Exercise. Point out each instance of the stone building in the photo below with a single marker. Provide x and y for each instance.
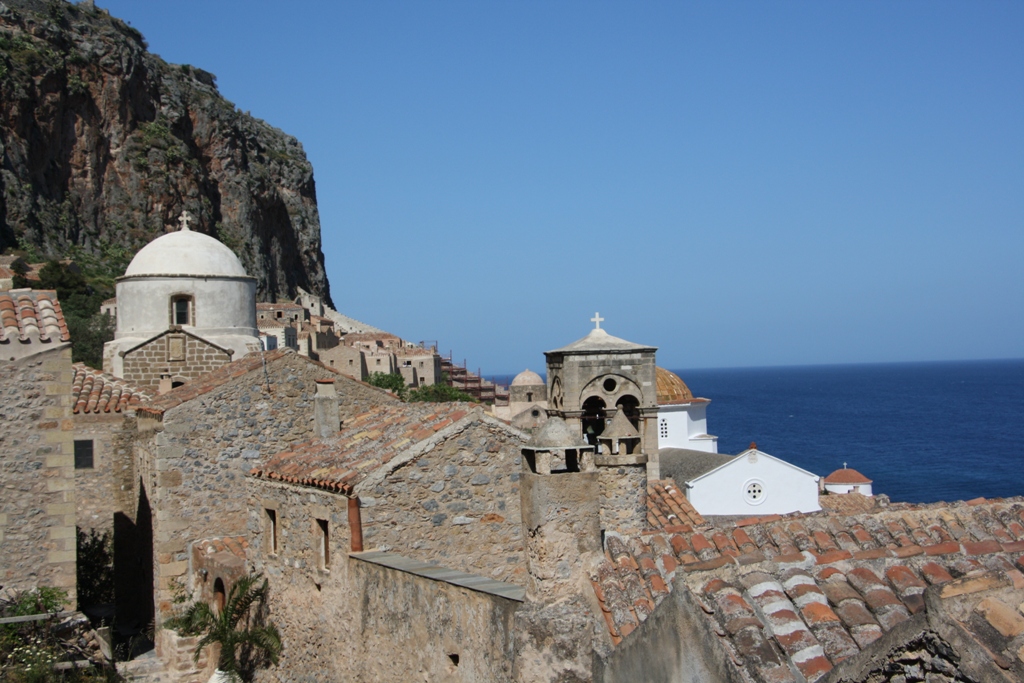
(185, 306)
(100, 404)
(37, 458)
(192, 448)
(348, 360)
(527, 402)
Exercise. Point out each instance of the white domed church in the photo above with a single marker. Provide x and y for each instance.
(185, 306)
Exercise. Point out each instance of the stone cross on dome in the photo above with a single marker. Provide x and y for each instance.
(597, 320)
(184, 219)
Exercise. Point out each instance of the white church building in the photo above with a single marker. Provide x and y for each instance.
(682, 417)
(185, 306)
(751, 483)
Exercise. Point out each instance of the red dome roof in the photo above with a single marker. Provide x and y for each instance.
(846, 476)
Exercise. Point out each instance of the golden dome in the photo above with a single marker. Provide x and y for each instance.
(671, 389)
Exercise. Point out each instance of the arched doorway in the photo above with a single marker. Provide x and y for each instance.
(593, 419)
(631, 407)
(220, 597)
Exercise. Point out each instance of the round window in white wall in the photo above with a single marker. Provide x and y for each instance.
(754, 491)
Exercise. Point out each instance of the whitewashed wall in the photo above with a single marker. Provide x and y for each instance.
(686, 427)
(783, 487)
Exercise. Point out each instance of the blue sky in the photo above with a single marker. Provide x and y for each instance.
(736, 183)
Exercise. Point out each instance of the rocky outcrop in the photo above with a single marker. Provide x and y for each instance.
(104, 144)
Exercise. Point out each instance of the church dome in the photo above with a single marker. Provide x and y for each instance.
(186, 252)
(527, 378)
(671, 389)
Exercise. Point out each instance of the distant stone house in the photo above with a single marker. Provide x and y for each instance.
(348, 360)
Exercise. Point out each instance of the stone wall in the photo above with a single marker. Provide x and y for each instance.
(623, 498)
(144, 365)
(37, 475)
(357, 621)
(96, 502)
(429, 630)
(202, 449)
(456, 505)
(310, 606)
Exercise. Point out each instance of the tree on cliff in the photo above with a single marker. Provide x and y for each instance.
(439, 393)
(80, 302)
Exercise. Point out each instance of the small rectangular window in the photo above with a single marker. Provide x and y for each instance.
(83, 455)
(271, 531)
(324, 538)
(181, 311)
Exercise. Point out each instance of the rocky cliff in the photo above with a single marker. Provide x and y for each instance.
(104, 145)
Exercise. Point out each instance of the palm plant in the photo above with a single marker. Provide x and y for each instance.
(241, 636)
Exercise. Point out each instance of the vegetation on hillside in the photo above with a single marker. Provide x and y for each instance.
(434, 393)
(392, 381)
(437, 393)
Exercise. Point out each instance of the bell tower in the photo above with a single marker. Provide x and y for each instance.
(605, 388)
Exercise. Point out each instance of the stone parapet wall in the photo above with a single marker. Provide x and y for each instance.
(366, 622)
(37, 475)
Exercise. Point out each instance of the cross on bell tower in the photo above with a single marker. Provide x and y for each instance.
(597, 320)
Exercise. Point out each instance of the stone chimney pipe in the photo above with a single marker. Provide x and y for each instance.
(325, 408)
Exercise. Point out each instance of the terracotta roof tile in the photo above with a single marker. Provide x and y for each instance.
(668, 507)
(367, 442)
(94, 392)
(28, 314)
(814, 589)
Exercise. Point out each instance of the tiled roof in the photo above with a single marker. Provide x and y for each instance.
(846, 476)
(668, 508)
(366, 443)
(220, 376)
(32, 313)
(803, 592)
(94, 392)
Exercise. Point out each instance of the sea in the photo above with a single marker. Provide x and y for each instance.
(923, 432)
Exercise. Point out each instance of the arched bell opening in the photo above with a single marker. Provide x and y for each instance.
(593, 419)
(630, 405)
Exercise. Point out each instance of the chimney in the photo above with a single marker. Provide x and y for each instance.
(325, 408)
(560, 502)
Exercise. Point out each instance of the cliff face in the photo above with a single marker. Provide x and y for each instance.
(104, 144)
